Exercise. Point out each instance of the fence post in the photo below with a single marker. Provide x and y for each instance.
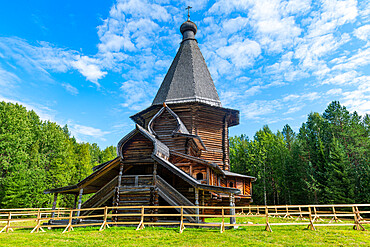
(358, 214)
(141, 224)
(182, 227)
(232, 209)
(38, 220)
(311, 226)
(80, 201)
(223, 220)
(249, 210)
(268, 228)
(69, 226)
(7, 226)
(357, 225)
(105, 219)
(197, 204)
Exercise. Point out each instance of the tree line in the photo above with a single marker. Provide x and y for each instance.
(327, 161)
(36, 155)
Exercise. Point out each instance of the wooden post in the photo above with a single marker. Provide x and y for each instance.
(335, 218)
(105, 219)
(268, 228)
(287, 215)
(75, 203)
(182, 227)
(197, 203)
(54, 205)
(317, 217)
(300, 214)
(80, 201)
(358, 214)
(7, 227)
(154, 193)
(208, 182)
(141, 224)
(69, 226)
(155, 174)
(357, 225)
(249, 210)
(38, 224)
(203, 219)
(119, 183)
(232, 210)
(223, 220)
(311, 226)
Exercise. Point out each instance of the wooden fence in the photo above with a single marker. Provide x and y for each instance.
(355, 215)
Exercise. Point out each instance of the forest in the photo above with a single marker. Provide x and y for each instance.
(327, 161)
(36, 155)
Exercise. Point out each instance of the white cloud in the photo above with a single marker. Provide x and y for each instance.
(342, 79)
(234, 25)
(241, 53)
(39, 59)
(363, 32)
(260, 108)
(334, 91)
(359, 99)
(330, 15)
(71, 89)
(252, 91)
(89, 67)
(195, 4)
(302, 97)
(361, 58)
(8, 79)
(294, 109)
(44, 112)
(77, 130)
(136, 94)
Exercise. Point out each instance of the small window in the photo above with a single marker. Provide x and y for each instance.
(231, 184)
(199, 176)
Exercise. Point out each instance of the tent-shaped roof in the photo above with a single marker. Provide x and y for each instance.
(188, 79)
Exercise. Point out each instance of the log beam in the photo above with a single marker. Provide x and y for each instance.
(80, 201)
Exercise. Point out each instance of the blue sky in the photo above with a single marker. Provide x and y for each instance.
(92, 64)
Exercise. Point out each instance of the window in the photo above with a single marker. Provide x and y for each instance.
(231, 184)
(199, 176)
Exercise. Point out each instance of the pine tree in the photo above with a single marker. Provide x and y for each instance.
(339, 187)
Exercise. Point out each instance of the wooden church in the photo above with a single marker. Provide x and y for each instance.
(178, 153)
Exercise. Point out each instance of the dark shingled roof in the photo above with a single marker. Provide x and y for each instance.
(188, 79)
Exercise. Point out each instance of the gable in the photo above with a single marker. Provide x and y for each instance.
(137, 147)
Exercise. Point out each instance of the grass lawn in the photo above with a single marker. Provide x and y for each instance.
(157, 236)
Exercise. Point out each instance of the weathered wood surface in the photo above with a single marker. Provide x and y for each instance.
(144, 214)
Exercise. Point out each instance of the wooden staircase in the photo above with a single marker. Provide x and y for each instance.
(138, 190)
(174, 198)
(100, 197)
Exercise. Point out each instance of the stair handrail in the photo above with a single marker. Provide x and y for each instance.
(175, 192)
(96, 195)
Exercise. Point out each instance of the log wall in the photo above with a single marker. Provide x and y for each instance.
(138, 147)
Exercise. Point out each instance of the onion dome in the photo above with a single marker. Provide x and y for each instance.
(188, 30)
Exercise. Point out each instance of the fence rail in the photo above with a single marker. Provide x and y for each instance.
(312, 216)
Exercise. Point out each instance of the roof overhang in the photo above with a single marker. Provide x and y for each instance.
(88, 181)
(233, 120)
(233, 174)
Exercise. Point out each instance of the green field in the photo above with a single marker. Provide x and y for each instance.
(158, 236)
